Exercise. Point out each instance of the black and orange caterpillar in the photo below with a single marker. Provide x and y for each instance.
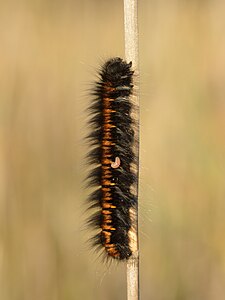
(112, 142)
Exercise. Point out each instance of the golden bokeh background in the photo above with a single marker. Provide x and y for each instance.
(49, 54)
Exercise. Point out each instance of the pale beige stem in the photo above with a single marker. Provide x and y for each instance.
(131, 54)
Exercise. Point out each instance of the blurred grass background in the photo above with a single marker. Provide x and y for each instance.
(49, 53)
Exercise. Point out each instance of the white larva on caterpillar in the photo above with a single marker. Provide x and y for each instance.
(115, 164)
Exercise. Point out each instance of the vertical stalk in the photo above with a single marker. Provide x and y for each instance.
(131, 54)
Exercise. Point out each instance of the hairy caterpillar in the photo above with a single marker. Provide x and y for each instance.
(111, 141)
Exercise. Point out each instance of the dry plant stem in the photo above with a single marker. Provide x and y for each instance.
(131, 54)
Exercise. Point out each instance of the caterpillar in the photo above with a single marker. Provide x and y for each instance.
(112, 141)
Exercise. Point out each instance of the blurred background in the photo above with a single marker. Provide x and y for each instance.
(49, 54)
